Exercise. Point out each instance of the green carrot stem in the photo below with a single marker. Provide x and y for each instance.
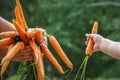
(47, 35)
(80, 68)
(84, 68)
(70, 70)
(34, 71)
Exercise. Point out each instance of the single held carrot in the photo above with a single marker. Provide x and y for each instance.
(21, 31)
(21, 15)
(35, 50)
(6, 42)
(59, 51)
(89, 49)
(13, 51)
(40, 66)
(8, 34)
(51, 58)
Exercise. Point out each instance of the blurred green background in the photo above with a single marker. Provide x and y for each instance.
(69, 21)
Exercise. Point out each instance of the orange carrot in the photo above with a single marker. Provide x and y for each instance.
(10, 47)
(16, 14)
(13, 51)
(51, 58)
(59, 51)
(39, 66)
(4, 67)
(8, 34)
(38, 36)
(35, 50)
(31, 34)
(6, 42)
(89, 52)
(35, 34)
(90, 45)
(21, 31)
(21, 14)
(18, 17)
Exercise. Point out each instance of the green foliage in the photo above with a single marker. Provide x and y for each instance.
(27, 71)
(12, 78)
(68, 21)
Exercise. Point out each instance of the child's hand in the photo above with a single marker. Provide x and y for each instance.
(96, 38)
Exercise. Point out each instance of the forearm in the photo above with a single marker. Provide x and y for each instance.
(5, 25)
(110, 48)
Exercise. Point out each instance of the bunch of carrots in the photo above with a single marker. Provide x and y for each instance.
(35, 39)
(89, 52)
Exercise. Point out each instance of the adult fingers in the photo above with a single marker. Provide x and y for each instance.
(21, 58)
(26, 49)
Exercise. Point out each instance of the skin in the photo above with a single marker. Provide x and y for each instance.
(26, 53)
(105, 45)
(5, 25)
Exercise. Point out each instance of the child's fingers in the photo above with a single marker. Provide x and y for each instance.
(86, 42)
(97, 40)
(94, 37)
(89, 35)
(96, 47)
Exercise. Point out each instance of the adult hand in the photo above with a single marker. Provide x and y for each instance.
(27, 53)
(24, 55)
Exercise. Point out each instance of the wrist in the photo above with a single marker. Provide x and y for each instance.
(105, 44)
(101, 43)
